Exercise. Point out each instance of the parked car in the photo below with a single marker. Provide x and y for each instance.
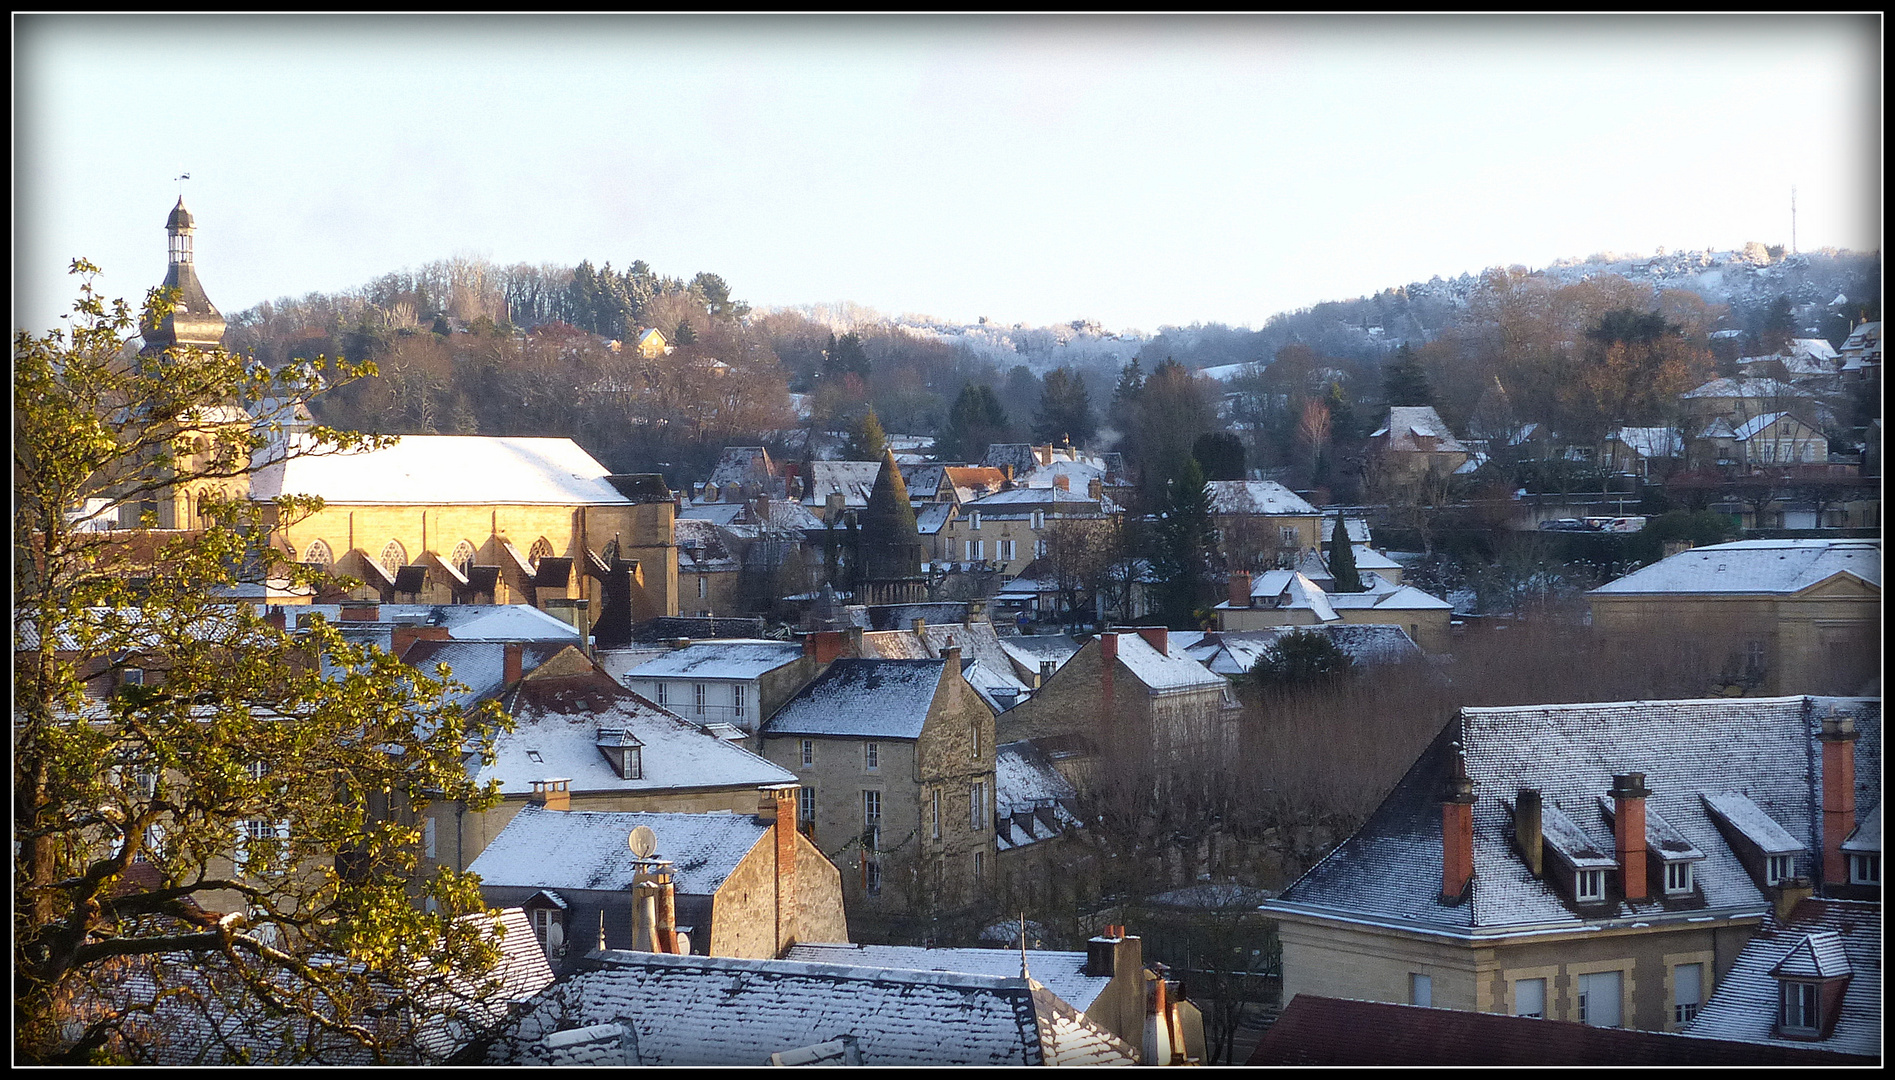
(1565, 525)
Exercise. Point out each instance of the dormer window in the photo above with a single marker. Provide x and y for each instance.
(1799, 1009)
(1779, 869)
(973, 520)
(1865, 869)
(1678, 879)
(1589, 885)
(623, 752)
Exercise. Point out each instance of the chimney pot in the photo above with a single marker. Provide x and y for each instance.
(276, 617)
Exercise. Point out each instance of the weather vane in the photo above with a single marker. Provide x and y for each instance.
(181, 179)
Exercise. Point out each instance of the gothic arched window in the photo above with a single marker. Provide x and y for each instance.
(319, 555)
(463, 556)
(394, 557)
(542, 548)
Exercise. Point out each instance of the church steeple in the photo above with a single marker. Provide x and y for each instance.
(194, 320)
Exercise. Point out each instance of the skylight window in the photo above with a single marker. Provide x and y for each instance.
(534, 756)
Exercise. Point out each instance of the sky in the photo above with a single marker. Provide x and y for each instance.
(1135, 172)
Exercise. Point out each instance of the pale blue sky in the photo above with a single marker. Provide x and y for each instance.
(1136, 172)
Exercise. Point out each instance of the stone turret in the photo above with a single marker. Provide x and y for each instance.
(891, 550)
(193, 320)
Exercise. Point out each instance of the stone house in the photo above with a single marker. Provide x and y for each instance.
(1128, 689)
(1415, 441)
(896, 763)
(580, 740)
(732, 681)
(1767, 616)
(1599, 863)
(721, 884)
(1292, 598)
(1261, 524)
(1010, 528)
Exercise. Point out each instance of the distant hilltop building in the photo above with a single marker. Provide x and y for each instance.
(193, 320)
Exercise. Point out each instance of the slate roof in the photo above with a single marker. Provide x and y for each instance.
(464, 622)
(1029, 650)
(1330, 1031)
(1061, 972)
(743, 465)
(1389, 872)
(1753, 566)
(931, 518)
(1255, 497)
(1171, 670)
(1234, 652)
(1745, 388)
(1387, 598)
(701, 548)
(701, 1010)
(1821, 936)
(433, 470)
(1406, 423)
(1652, 442)
(718, 660)
(1032, 798)
(867, 698)
(479, 665)
(556, 727)
(1868, 835)
(1021, 500)
(1756, 425)
(854, 479)
(585, 849)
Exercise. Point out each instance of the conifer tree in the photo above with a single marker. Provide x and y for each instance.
(868, 442)
(1405, 382)
(1342, 560)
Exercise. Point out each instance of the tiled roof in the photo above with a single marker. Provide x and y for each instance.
(701, 548)
(434, 470)
(1029, 650)
(870, 698)
(478, 665)
(1745, 388)
(1753, 566)
(584, 849)
(1390, 870)
(718, 660)
(1752, 822)
(1821, 937)
(1024, 778)
(743, 465)
(555, 733)
(1330, 1031)
(1061, 972)
(1750, 428)
(1652, 442)
(1406, 423)
(931, 518)
(1255, 497)
(1868, 835)
(1387, 598)
(700, 1010)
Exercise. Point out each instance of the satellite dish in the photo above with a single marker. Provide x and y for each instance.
(643, 841)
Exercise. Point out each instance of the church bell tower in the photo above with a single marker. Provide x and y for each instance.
(194, 320)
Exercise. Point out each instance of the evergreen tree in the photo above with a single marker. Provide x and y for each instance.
(1405, 382)
(845, 356)
(975, 421)
(1185, 545)
(1301, 658)
(1065, 409)
(1131, 381)
(867, 442)
(1342, 560)
(1220, 455)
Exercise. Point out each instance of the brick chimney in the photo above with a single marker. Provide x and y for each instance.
(1156, 636)
(1839, 793)
(1457, 831)
(513, 658)
(361, 611)
(551, 794)
(276, 618)
(1526, 829)
(778, 809)
(824, 646)
(1628, 832)
(1063, 482)
(1240, 588)
(1108, 647)
(403, 636)
(1095, 489)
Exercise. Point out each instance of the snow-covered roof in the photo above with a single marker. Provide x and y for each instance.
(1061, 972)
(1292, 590)
(1813, 348)
(1234, 652)
(1024, 778)
(1387, 598)
(1868, 835)
(743, 465)
(436, 470)
(1022, 499)
(704, 1010)
(479, 665)
(588, 849)
(854, 479)
(701, 548)
(718, 660)
(1390, 870)
(1820, 939)
(1756, 425)
(1171, 670)
(1407, 423)
(464, 622)
(1753, 566)
(1367, 558)
(1256, 497)
(1652, 442)
(555, 736)
(1745, 388)
(1752, 822)
(1565, 838)
(867, 698)
(1029, 651)
(931, 518)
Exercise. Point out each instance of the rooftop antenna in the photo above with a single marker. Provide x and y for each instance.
(1023, 973)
